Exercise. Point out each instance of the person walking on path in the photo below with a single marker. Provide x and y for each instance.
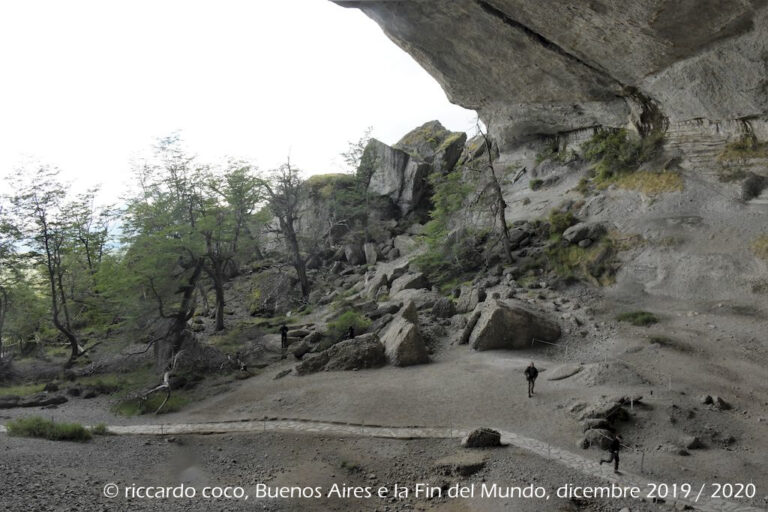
(530, 375)
(614, 457)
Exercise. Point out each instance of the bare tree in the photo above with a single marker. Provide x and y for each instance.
(498, 205)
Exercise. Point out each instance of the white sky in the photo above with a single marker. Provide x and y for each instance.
(87, 84)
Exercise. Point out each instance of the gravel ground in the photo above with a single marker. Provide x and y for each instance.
(61, 476)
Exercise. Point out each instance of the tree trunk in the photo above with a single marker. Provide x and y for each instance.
(501, 205)
(219, 288)
(298, 262)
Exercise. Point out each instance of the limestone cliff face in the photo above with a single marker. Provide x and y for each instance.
(532, 67)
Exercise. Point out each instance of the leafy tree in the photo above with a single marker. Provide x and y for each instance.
(167, 252)
(226, 205)
(46, 227)
(284, 190)
(9, 270)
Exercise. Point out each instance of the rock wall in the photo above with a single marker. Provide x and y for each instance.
(531, 67)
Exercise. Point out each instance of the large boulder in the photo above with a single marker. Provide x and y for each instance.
(584, 231)
(405, 244)
(596, 437)
(470, 297)
(374, 282)
(423, 143)
(400, 177)
(482, 438)
(403, 342)
(354, 254)
(443, 308)
(356, 354)
(371, 255)
(408, 282)
(510, 326)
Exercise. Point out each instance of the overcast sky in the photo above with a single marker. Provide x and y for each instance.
(88, 84)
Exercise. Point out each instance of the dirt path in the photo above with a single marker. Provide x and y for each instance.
(569, 459)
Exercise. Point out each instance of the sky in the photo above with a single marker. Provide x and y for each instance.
(89, 85)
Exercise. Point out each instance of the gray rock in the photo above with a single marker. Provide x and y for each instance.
(408, 282)
(583, 231)
(376, 282)
(443, 308)
(470, 297)
(354, 254)
(403, 342)
(410, 313)
(301, 349)
(720, 404)
(599, 423)
(362, 352)
(692, 443)
(371, 255)
(482, 438)
(510, 326)
(564, 371)
(404, 245)
(597, 437)
(593, 63)
(41, 400)
(467, 332)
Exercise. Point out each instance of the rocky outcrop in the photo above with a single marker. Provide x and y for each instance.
(402, 339)
(400, 173)
(510, 326)
(356, 354)
(555, 67)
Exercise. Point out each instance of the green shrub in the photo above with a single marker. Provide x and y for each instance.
(21, 390)
(536, 184)
(36, 426)
(100, 430)
(136, 406)
(614, 152)
(583, 186)
(596, 263)
(638, 318)
(559, 221)
(338, 328)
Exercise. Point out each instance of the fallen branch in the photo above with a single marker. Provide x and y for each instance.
(166, 384)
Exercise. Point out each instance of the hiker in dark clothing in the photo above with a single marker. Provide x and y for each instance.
(283, 337)
(530, 375)
(351, 333)
(614, 449)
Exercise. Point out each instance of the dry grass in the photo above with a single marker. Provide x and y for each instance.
(745, 148)
(760, 247)
(651, 183)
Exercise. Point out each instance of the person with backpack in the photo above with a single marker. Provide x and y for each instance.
(614, 448)
(530, 375)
